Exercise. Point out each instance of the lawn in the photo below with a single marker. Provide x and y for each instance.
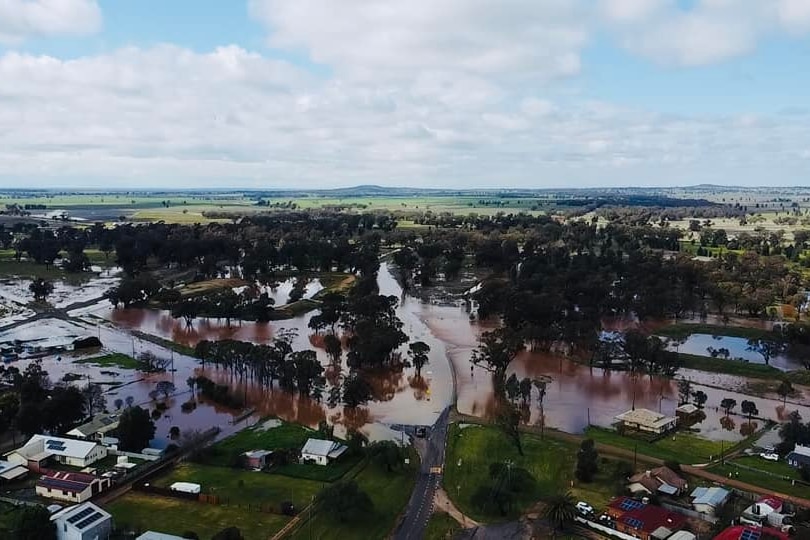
(388, 491)
(111, 360)
(471, 450)
(683, 330)
(240, 487)
(441, 526)
(175, 516)
(682, 447)
(778, 485)
(282, 437)
(8, 514)
(731, 367)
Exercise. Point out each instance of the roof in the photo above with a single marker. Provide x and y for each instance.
(11, 471)
(801, 450)
(774, 502)
(646, 517)
(661, 479)
(646, 417)
(320, 447)
(796, 457)
(257, 453)
(682, 535)
(39, 447)
(81, 517)
(66, 481)
(101, 423)
(745, 532)
(152, 535)
(713, 496)
(687, 408)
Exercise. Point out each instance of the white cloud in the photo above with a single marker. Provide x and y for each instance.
(167, 116)
(20, 19)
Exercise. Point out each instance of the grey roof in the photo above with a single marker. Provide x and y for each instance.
(713, 496)
(39, 447)
(320, 447)
(81, 517)
(799, 458)
(667, 489)
(152, 535)
(258, 453)
(99, 424)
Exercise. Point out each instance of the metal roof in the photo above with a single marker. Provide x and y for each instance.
(59, 446)
(320, 447)
(713, 496)
(81, 517)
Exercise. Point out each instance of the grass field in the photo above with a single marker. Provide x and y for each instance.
(682, 447)
(285, 436)
(731, 367)
(779, 485)
(388, 491)
(684, 330)
(143, 512)
(8, 514)
(111, 360)
(471, 450)
(441, 526)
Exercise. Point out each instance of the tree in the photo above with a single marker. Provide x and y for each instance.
(508, 420)
(40, 288)
(118, 403)
(165, 387)
(560, 510)
(767, 348)
(749, 408)
(418, 352)
(34, 523)
(700, 397)
(587, 461)
(356, 391)
(345, 502)
(784, 390)
(684, 391)
(496, 350)
(94, 400)
(334, 349)
(727, 404)
(386, 454)
(135, 429)
(229, 533)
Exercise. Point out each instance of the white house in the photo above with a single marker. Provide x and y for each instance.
(40, 448)
(709, 500)
(95, 429)
(646, 420)
(70, 486)
(321, 452)
(82, 522)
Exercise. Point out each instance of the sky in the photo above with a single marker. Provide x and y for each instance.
(425, 93)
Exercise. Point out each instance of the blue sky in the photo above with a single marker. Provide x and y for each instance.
(285, 93)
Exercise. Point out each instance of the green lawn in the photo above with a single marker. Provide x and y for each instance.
(319, 473)
(775, 467)
(682, 330)
(766, 481)
(682, 447)
(8, 514)
(732, 367)
(143, 512)
(285, 436)
(441, 526)
(388, 491)
(111, 360)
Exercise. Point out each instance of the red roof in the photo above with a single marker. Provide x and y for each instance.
(66, 481)
(645, 517)
(736, 533)
(774, 502)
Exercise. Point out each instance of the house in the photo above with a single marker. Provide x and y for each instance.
(799, 456)
(11, 471)
(257, 459)
(646, 420)
(748, 532)
(659, 480)
(41, 448)
(321, 452)
(709, 500)
(84, 521)
(644, 521)
(95, 429)
(70, 486)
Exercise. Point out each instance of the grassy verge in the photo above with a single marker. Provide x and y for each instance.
(779, 485)
(730, 367)
(682, 447)
(682, 330)
(111, 360)
(143, 512)
(319, 473)
(440, 526)
(389, 492)
(470, 452)
(167, 343)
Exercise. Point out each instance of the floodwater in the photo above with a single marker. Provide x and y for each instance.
(280, 292)
(703, 344)
(576, 394)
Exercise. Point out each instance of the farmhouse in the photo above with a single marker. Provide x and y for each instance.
(659, 480)
(800, 456)
(321, 452)
(644, 521)
(96, 428)
(70, 486)
(709, 500)
(82, 522)
(40, 448)
(646, 420)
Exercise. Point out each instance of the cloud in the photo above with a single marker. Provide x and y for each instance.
(168, 116)
(20, 19)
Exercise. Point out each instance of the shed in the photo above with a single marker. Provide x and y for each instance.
(257, 459)
(709, 500)
(321, 452)
(646, 420)
(186, 487)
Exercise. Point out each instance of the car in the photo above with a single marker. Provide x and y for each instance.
(421, 432)
(770, 456)
(584, 508)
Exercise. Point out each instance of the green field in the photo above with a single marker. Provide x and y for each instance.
(684, 330)
(778, 485)
(441, 526)
(682, 447)
(141, 512)
(388, 491)
(285, 436)
(471, 450)
(8, 514)
(111, 360)
(731, 367)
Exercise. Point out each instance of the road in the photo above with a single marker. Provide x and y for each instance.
(420, 506)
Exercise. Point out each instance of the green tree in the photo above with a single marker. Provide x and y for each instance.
(356, 391)
(684, 391)
(749, 408)
(700, 397)
(135, 429)
(34, 523)
(496, 350)
(784, 390)
(560, 510)
(418, 353)
(345, 502)
(229, 533)
(587, 461)
(41, 289)
(727, 404)
(386, 454)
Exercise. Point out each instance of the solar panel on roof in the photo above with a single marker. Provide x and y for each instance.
(635, 523)
(749, 534)
(81, 515)
(89, 520)
(630, 504)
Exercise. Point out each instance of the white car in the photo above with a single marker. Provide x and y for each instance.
(770, 456)
(584, 508)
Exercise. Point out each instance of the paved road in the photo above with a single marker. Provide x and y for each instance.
(420, 506)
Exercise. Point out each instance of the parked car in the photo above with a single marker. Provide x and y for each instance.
(770, 456)
(584, 508)
(421, 432)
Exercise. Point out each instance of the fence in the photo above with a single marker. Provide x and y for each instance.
(603, 529)
(793, 481)
(136, 455)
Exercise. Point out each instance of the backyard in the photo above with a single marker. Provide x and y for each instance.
(682, 447)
